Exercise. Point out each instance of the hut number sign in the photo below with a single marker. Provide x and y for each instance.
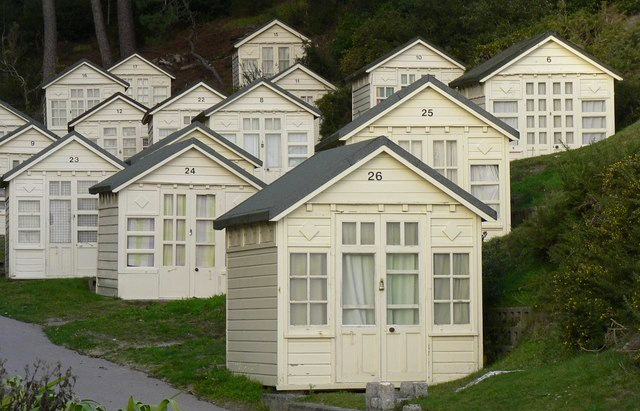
(374, 175)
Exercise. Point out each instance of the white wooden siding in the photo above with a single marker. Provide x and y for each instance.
(560, 60)
(135, 69)
(360, 100)
(454, 357)
(303, 86)
(309, 361)
(107, 276)
(9, 121)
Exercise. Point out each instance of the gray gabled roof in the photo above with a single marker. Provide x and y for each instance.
(156, 158)
(248, 88)
(104, 103)
(264, 26)
(497, 62)
(322, 168)
(141, 57)
(399, 96)
(177, 95)
(89, 63)
(53, 147)
(206, 130)
(400, 48)
(15, 111)
(31, 124)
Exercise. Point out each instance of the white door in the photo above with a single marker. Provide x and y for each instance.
(60, 250)
(381, 271)
(188, 246)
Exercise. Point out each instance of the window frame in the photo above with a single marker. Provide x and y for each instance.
(308, 277)
(473, 301)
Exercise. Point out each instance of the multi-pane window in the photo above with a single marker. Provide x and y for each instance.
(142, 90)
(93, 97)
(267, 61)
(159, 94)
(164, 132)
(87, 208)
(129, 91)
(110, 140)
(445, 158)
(412, 146)
(507, 111)
(485, 184)
(382, 93)
(547, 104)
(205, 234)
(594, 121)
(308, 289)
(402, 273)
(174, 231)
(273, 142)
(140, 241)
(77, 102)
(358, 275)
(407, 79)
(58, 112)
(297, 149)
(129, 142)
(251, 135)
(451, 289)
(283, 58)
(29, 221)
(307, 99)
(60, 212)
(186, 120)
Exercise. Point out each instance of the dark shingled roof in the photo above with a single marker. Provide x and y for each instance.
(244, 90)
(496, 62)
(397, 50)
(177, 134)
(177, 95)
(71, 124)
(157, 157)
(99, 69)
(54, 146)
(318, 170)
(15, 111)
(398, 96)
(33, 123)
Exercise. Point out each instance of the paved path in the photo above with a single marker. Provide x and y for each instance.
(103, 381)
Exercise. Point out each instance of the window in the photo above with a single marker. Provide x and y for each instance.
(110, 140)
(164, 132)
(531, 138)
(530, 105)
(358, 275)
(129, 147)
(283, 58)
(204, 232)
(445, 158)
(145, 142)
(557, 121)
(557, 104)
(87, 208)
(568, 104)
(229, 136)
(250, 70)
(557, 138)
(174, 230)
(500, 108)
(159, 94)
(557, 89)
(77, 102)
(593, 106)
(28, 221)
(542, 121)
(531, 121)
(298, 148)
(568, 121)
(267, 61)
(307, 99)
(402, 273)
(308, 289)
(129, 90)
(451, 289)
(60, 214)
(142, 90)
(594, 124)
(412, 146)
(382, 93)
(407, 79)
(570, 137)
(529, 88)
(568, 88)
(15, 163)
(93, 97)
(251, 136)
(542, 104)
(542, 88)
(542, 137)
(186, 120)
(588, 138)
(485, 184)
(140, 242)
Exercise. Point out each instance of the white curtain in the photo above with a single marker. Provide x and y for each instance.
(588, 138)
(140, 224)
(393, 234)
(205, 206)
(283, 58)
(267, 61)
(442, 289)
(568, 121)
(438, 154)
(594, 106)
(168, 204)
(358, 289)
(483, 174)
(410, 234)
(205, 256)
(367, 233)
(594, 122)
(251, 144)
(402, 289)
(505, 106)
(273, 150)
(349, 233)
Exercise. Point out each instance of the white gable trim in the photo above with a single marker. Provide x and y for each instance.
(375, 153)
(41, 158)
(506, 133)
(560, 43)
(305, 69)
(143, 59)
(29, 127)
(104, 104)
(92, 67)
(268, 26)
(418, 41)
(176, 155)
(172, 99)
(15, 112)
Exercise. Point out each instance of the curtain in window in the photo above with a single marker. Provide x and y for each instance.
(438, 154)
(441, 289)
(588, 138)
(596, 106)
(594, 122)
(358, 288)
(505, 106)
(273, 150)
(283, 58)
(205, 255)
(251, 144)
(402, 289)
(205, 206)
(349, 233)
(139, 260)
(140, 224)
(393, 234)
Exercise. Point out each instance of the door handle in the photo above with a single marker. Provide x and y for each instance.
(392, 330)
(197, 269)
(190, 232)
(381, 285)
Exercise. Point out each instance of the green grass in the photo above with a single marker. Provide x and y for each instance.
(182, 342)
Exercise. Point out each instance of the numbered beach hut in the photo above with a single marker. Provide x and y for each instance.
(448, 132)
(361, 264)
(52, 228)
(156, 217)
(114, 124)
(303, 83)
(15, 148)
(11, 118)
(148, 83)
(179, 110)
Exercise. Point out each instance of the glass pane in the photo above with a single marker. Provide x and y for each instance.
(318, 289)
(273, 150)
(441, 313)
(402, 289)
(168, 204)
(28, 237)
(87, 220)
(205, 206)
(402, 262)
(441, 289)
(393, 234)
(358, 289)
(60, 221)
(318, 314)
(181, 230)
(181, 205)
(87, 236)
(140, 224)
(438, 154)
(167, 232)
(298, 314)
(298, 289)
(87, 204)
(140, 242)
(367, 234)
(298, 264)
(180, 255)
(204, 231)
(318, 264)
(205, 255)
(441, 264)
(139, 260)
(348, 233)
(29, 221)
(410, 233)
(251, 144)
(460, 288)
(461, 313)
(167, 255)
(403, 316)
(28, 206)
(460, 264)
(83, 186)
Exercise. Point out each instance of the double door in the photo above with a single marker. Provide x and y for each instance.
(188, 245)
(381, 317)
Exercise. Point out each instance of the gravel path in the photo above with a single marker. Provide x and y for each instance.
(105, 382)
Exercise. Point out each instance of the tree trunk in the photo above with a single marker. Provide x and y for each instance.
(101, 33)
(50, 39)
(126, 29)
